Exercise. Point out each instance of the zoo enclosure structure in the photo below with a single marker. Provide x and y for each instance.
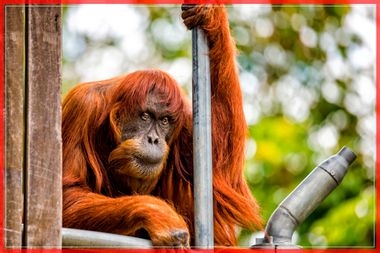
(33, 144)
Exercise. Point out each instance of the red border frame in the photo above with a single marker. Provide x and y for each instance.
(44, 2)
(2, 125)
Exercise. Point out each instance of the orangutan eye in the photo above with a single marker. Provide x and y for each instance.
(145, 116)
(165, 121)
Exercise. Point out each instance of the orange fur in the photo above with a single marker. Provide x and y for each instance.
(92, 145)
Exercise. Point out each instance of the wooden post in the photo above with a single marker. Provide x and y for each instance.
(14, 123)
(43, 177)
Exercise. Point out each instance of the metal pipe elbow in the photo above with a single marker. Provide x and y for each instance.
(308, 195)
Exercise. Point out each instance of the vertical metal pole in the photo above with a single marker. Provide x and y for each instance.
(202, 143)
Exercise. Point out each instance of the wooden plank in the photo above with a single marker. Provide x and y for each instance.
(43, 192)
(14, 123)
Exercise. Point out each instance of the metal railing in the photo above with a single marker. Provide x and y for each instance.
(78, 238)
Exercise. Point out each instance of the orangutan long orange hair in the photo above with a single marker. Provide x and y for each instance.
(162, 205)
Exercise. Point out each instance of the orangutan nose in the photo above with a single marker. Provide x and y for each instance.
(153, 140)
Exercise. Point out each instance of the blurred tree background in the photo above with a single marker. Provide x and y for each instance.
(308, 78)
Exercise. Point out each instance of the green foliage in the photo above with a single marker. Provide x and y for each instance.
(287, 148)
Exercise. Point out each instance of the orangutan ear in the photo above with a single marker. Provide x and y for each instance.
(115, 123)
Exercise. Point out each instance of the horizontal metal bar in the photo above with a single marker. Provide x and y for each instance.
(77, 238)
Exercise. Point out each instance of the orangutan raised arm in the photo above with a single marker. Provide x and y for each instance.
(233, 202)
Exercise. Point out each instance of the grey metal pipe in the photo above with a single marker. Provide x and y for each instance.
(202, 143)
(77, 238)
(308, 195)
